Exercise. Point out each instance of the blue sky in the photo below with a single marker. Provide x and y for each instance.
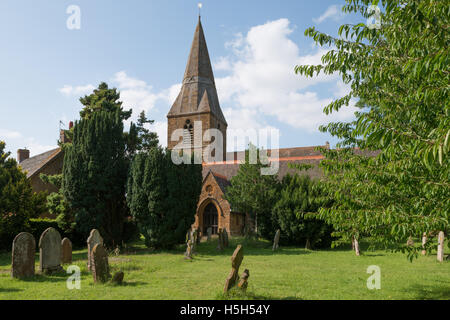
(141, 47)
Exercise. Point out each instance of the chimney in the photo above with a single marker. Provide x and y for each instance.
(62, 136)
(327, 145)
(70, 125)
(22, 154)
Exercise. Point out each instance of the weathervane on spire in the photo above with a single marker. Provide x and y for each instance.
(200, 5)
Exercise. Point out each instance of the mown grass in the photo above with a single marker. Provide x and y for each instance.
(290, 273)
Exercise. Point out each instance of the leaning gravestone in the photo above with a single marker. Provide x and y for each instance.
(100, 266)
(66, 251)
(188, 254)
(225, 238)
(209, 232)
(23, 249)
(94, 239)
(276, 240)
(236, 260)
(440, 252)
(50, 251)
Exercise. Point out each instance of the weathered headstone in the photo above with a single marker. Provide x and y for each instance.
(236, 260)
(66, 251)
(209, 232)
(94, 239)
(194, 239)
(440, 251)
(220, 240)
(225, 238)
(243, 281)
(23, 252)
(100, 266)
(50, 251)
(276, 240)
(410, 242)
(424, 241)
(188, 254)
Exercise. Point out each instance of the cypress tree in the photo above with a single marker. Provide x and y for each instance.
(94, 175)
(163, 196)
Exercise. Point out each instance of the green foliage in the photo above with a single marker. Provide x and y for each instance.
(400, 73)
(18, 202)
(38, 226)
(163, 196)
(103, 99)
(296, 212)
(94, 175)
(253, 193)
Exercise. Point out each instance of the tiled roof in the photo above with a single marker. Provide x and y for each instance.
(303, 155)
(34, 164)
(198, 93)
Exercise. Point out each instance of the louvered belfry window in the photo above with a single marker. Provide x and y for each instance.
(188, 134)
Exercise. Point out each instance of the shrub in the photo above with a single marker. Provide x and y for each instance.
(296, 213)
(18, 202)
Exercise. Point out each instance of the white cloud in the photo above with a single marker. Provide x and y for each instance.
(9, 134)
(262, 81)
(69, 90)
(333, 12)
(160, 127)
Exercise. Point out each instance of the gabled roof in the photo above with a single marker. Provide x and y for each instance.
(221, 180)
(34, 164)
(198, 93)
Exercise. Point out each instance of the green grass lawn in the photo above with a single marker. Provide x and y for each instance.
(290, 273)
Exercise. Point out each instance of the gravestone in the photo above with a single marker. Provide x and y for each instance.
(50, 251)
(276, 240)
(194, 239)
(188, 254)
(23, 251)
(424, 241)
(100, 266)
(94, 239)
(410, 242)
(66, 251)
(440, 251)
(243, 282)
(220, 240)
(236, 260)
(225, 238)
(209, 232)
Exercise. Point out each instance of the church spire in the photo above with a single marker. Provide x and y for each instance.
(198, 92)
(199, 64)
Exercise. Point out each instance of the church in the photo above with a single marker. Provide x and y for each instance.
(197, 101)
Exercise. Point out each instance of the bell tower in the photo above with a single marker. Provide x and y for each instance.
(197, 103)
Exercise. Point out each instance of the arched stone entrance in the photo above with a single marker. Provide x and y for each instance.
(210, 218)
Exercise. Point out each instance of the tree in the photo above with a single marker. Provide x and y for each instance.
(94, 175)
(400, 74)
(103, 99)
(296, 212)
(253, 193)
(18, 202)
(163, 196)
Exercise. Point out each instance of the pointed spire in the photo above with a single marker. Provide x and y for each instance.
(199, 64)
(198, 93)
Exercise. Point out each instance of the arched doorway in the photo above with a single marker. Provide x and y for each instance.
(210, 219)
